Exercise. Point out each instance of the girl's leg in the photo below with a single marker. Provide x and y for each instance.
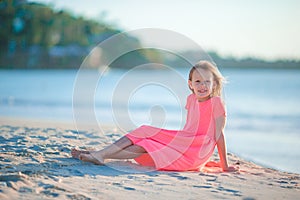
(100, 156)
(117, 146)
(129, 152)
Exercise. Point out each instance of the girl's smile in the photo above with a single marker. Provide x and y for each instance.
(202, 84)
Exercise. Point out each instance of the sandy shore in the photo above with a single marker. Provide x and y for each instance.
(35, 163)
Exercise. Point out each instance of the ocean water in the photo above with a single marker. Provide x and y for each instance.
(263, 105)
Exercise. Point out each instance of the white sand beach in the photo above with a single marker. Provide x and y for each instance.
(35, 163)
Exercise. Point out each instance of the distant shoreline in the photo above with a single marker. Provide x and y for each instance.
(23, 60)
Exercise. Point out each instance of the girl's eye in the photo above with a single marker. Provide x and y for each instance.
(207, 81)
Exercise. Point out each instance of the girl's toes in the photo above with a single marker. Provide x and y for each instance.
(75, 153)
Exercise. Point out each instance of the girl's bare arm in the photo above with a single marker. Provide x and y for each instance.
(221, 145)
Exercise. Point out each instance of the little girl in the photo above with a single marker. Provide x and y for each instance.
(183, 150)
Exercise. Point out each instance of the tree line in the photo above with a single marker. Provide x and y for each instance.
(34, 35)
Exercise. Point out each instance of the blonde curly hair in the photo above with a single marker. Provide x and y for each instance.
(217, 76)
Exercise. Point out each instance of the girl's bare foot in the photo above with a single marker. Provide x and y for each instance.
(75, 153)
(89, 158)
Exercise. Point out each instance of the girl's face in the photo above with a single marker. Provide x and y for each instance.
(202, 84)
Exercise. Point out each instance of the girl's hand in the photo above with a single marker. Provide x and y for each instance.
(231, 169)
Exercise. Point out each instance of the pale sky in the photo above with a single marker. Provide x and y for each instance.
(268, 29)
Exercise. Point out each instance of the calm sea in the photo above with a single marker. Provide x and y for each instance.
(263, 105)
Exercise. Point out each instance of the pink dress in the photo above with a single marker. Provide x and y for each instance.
(183, 150)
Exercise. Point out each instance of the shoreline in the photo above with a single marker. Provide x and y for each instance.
(35, 162)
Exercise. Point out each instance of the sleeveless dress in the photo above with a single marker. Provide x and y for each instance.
(181, 150)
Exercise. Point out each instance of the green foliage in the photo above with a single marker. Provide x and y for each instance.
(38, 24)
(33, 35)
